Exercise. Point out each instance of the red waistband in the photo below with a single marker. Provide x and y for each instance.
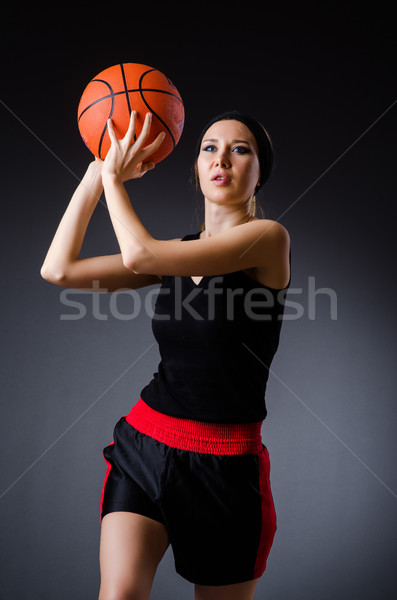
(196, 436)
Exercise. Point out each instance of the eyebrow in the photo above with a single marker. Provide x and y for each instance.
(233, 141)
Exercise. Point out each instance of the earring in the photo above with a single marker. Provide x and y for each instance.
(253, 206)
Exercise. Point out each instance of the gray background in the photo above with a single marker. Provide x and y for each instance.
(323, 83)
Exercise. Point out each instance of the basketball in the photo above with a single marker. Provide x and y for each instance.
(115, 92)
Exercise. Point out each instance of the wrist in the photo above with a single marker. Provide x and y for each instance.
(93, 173)
(111, 179)
(95, 166)
(92, 180)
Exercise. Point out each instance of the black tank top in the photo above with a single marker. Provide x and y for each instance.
(216, 340)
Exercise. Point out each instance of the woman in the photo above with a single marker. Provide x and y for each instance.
(187, 466)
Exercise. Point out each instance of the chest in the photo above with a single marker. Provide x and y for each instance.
(233, 297)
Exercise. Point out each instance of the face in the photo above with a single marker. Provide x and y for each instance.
(228, 165)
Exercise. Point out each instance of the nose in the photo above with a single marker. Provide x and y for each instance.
(221, 160)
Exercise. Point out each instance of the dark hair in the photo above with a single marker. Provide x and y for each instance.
(265, 147)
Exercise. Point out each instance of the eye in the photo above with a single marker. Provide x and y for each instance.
(241, 150)
(208, 148)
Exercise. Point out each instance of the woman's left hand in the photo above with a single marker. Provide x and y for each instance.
(126, 158)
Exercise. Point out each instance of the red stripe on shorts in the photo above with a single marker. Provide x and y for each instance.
(109, 466)
(196, 436)
(269, 522)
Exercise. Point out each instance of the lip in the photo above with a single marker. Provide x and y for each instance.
(220, 179)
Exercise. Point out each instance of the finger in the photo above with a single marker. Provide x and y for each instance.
(112, 134)
(144, 134)
(131, 127)
(149, 166)
(155, 145)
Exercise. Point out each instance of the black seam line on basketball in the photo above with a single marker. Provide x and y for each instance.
(127, 95)
(110, 114)
(126, 89)
(123, 92)
(111, 95)
(150, 108)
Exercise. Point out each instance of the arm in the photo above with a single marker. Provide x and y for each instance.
(263, 243)
(62, 265)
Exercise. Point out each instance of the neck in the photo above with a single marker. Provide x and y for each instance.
(219, 218)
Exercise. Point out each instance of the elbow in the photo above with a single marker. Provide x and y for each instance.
(55, 277)
(131, 264)
(136, 260)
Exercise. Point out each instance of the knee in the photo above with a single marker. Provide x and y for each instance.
(123, 594)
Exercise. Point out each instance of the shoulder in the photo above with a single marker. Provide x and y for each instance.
(277, 229)
(272, 233)
(273, 269)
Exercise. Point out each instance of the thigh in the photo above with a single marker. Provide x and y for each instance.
(134, 474)
(130, 550)
(220, 516)
(238, 591)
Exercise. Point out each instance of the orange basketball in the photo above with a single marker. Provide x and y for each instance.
(117, 91)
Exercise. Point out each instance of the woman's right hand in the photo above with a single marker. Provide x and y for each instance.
(126, 158)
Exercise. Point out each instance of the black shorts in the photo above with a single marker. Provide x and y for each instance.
(208, 484)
